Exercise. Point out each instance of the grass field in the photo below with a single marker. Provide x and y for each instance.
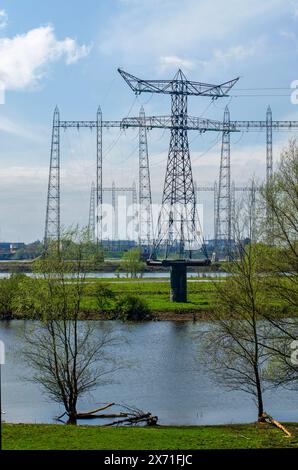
(60, 437)
(201, 295)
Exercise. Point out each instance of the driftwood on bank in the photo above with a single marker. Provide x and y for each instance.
(268, 419)
(94, 413)
(130, 416)
(142, 418)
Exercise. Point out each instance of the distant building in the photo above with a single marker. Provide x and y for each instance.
(8, 249)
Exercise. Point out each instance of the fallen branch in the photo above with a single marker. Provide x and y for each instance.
(102, 416)
(146, 417)
(90, 413)
(267, 418)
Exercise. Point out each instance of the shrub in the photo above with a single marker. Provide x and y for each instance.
(132, 308)
(8, 292)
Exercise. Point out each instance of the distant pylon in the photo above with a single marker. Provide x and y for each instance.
(269, 153)
(99, 199)
(223, 219)
(52, 224)
(269, 171)
(115, 212)
(92, 216)
(233, 211)
(135, 209)
(215, 209)
(145, 200)
(252, 204)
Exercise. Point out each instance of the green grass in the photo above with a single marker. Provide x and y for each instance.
(61, 437)
(201, 295)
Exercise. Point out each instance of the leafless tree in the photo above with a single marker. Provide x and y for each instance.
(69, 357)
(234, 347)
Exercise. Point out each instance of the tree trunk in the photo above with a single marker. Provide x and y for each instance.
(72, 418)
(259, 396)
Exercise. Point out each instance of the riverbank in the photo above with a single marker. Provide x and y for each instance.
(108, 266)
(202, 297)
(59, 437)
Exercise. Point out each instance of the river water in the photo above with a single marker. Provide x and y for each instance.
(113, 275)
(163, 375)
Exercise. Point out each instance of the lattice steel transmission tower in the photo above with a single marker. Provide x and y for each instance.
(115, 212)
(178, 227)
(145, 199)
(224, 203)
(92, 214)
(99, 196)
(52, 225)
(269, 156)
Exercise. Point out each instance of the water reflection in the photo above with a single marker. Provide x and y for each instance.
(165, 377)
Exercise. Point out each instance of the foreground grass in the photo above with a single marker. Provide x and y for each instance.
(59, 437)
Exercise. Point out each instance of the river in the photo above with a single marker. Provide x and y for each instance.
(146, 275)
(165, 377)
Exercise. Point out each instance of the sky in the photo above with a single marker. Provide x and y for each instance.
(67, 54)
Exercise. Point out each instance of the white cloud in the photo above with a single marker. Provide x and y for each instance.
(3, 19)
(22, 130)
(181, 28)
(24, 58)
(174, 62)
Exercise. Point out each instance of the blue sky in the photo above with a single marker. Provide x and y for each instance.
(67, 53)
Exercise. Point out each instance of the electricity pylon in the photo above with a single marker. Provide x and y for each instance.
(224, 203)
(145, 200)
(92, 214)
(52, 225)
(178, 225)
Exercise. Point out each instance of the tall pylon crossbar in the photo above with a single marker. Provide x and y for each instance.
(223, 218)
(178, 224)
(52, 225)
(145, 199)
(99, 196)
(92, 213)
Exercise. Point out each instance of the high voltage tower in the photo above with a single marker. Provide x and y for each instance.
(179, 227)
(52, 225)
(177, 220)
(145, 198)
(223, 223)
(115, 191)
(92, 213)
(232, 209)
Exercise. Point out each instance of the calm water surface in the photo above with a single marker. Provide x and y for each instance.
(165, 378)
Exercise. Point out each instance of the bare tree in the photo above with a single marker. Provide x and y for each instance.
(235, 351)
(68, 358)
(281, 198)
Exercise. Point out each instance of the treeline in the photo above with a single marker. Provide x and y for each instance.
(249, 347)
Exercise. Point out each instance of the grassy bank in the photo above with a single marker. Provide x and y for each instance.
(156, 292)
(201, 296)
(238, 436)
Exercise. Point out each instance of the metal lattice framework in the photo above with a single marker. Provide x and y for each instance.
(145, 199)
(178, 167)
(52, 225)
(115, 190)
(178, 222)
(92, 214)
(224, 203)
